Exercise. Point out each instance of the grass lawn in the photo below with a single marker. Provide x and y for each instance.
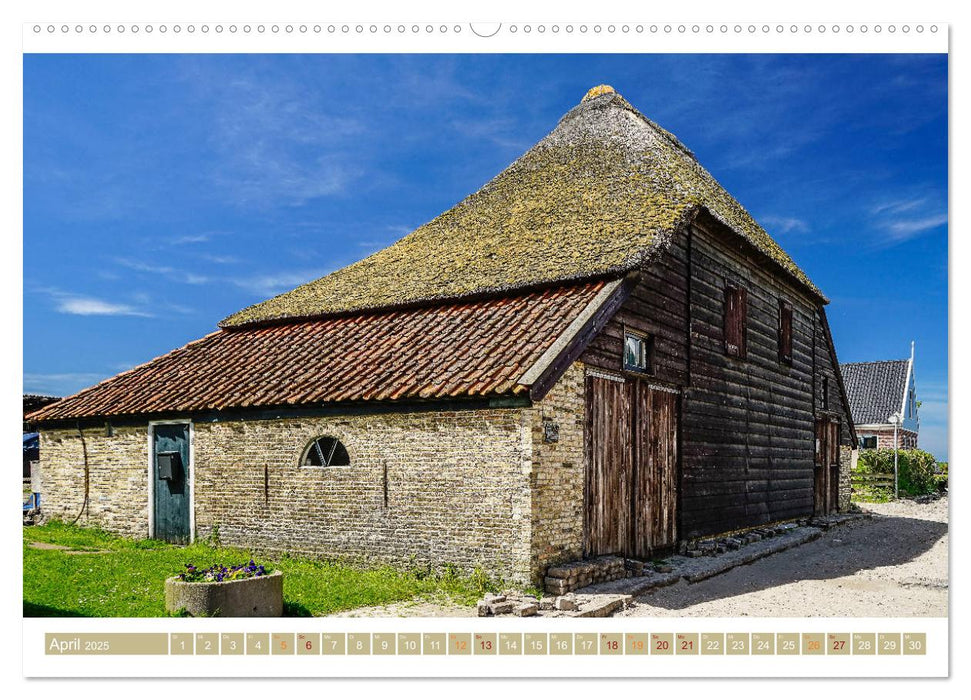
(101, 575)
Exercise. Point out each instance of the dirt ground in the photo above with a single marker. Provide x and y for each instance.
(892, 565)
(412, 608)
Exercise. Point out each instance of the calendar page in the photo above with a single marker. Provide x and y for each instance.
(541, 347)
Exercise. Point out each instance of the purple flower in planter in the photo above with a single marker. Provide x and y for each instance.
(221, 572)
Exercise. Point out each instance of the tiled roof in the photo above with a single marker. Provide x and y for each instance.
(596, 196)
(475, 348)
(875, 390)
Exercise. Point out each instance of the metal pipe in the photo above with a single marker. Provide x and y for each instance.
(896, 473)
(87, 474)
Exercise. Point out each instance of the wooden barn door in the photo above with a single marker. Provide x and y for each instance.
(826, 473)
(630, 496)
(655, 470)
(609, 468)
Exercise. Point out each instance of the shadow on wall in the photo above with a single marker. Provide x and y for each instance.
(868, 544)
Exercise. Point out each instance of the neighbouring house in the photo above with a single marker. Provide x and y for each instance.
(600, 351)
(32, 402)
(878, 391)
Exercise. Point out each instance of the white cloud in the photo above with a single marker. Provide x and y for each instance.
(276, 283)
(274, 143)
(500, 131)
(784, 224)
(89, 306)
(193, 238)
(59, 384)
(167, 271)
(898, 206)
(220, 259)
(911, 214)
(911, 228)
(84, 305)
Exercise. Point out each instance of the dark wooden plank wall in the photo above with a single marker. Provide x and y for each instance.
(825, 368)
(747, 424)
(657, 306)
(747, 432)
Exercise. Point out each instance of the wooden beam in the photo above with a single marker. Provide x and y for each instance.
(572, 349)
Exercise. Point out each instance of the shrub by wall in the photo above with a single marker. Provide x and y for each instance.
(917, 469)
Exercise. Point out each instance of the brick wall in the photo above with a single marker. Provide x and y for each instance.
(117, 478)
(430, 487)
(906, 439)
(423, 487)
(557, 476)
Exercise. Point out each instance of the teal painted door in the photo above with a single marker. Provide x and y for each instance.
(170, 471)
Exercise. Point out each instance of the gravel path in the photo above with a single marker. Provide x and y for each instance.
(891, 565)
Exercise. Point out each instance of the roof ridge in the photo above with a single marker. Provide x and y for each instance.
(872, 362)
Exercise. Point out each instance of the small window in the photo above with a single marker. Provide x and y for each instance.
(785, 332)
(637, 352)
(868, 442)
(326, 452)
(825, 396)
(736, 302)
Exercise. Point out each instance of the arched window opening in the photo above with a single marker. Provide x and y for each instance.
(326, 451)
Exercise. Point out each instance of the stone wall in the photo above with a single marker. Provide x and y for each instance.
(432, 487)
(557, 477)
(423, 487)
(117, 478)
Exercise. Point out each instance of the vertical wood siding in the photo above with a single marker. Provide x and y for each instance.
(655, 470)
(609, 467)
(630, 496)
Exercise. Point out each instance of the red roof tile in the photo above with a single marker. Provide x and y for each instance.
(475, 348)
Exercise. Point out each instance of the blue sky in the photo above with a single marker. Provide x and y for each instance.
(162, 193)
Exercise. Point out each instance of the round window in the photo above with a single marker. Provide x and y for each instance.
(326, 452)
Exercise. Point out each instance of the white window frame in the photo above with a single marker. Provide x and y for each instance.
(644, 340)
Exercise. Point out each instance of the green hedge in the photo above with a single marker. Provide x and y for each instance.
(918, 473)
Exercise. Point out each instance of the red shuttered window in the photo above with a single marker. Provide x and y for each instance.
(736, 303)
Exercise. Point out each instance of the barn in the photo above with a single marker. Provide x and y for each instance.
(598, 352)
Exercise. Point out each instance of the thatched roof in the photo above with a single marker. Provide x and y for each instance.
(595, 197)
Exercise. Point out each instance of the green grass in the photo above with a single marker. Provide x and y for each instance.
(120, 577)
(872, 494)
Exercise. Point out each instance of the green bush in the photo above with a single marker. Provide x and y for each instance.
(940, 478)
(917, 469)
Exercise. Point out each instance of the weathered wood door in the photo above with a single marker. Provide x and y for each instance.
(170, 475)
(655, 469)
(826, 472)
(630, 495)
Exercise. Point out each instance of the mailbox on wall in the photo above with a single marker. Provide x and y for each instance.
(169, 466)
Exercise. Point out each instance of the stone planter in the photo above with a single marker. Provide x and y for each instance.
(260, 596)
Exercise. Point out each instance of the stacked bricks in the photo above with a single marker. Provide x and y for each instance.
(569, 577)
